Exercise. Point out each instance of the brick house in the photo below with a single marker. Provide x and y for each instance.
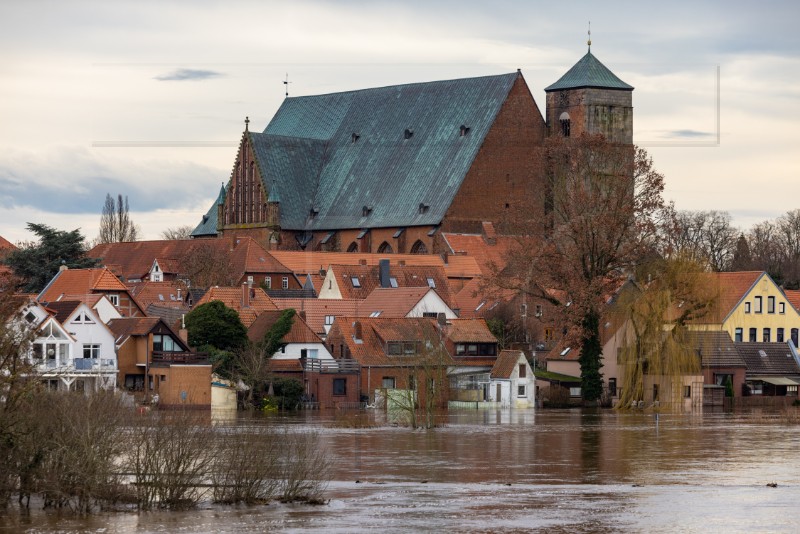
(80, 284)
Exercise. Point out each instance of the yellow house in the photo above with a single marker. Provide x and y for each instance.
(751, 308)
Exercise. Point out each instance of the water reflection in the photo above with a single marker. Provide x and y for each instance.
(559, 471)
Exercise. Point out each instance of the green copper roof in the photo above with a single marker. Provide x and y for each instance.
(390, 149)
(589, 72)
(208, 226)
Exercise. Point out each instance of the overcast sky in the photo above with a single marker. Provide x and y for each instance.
(148, 99)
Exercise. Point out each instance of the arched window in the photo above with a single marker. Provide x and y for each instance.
(419, 248)
(353, 247)
(385, 248)
(564, 120)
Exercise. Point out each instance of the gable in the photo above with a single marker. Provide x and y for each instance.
(407, 151)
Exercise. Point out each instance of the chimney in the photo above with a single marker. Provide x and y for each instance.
(357, 331)
(245, 296)
(362, 261)
(401, 263)
(63, 267)
(183, 333)
(384, 273)
(302, 314)
(445, 257)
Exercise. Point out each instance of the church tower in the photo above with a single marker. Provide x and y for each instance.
(590, 98)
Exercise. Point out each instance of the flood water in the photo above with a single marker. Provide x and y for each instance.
(520, 471)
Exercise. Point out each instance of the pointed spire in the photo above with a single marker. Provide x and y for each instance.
(589, 41)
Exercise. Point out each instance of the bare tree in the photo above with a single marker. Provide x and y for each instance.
(705, 236)
(208, 265)
(765, 249)
(603, 208)
(789, 235)
(177, 232)
(116, 225)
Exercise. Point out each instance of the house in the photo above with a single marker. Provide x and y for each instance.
(81, 284)
(387, 169)
(773, 369)
(154, 360)
(330, 383)
(358, 281)
(321, 313)
(722, 365)
(163, 294)
(407, 354)
(248, 301)
(73, 349)
(751, 308)
(474, 350)
(199, 262)
(405, 302)
(512, 381)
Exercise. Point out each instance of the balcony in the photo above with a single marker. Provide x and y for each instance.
(314, 365)
(163, 358)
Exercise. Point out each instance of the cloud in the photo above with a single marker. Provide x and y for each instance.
(687, 134)
(188, 74)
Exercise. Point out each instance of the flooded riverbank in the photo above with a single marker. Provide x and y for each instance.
(515, 471)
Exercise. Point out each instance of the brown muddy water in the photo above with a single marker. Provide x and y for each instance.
(519, 471)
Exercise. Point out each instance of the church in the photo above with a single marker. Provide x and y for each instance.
(390, 169)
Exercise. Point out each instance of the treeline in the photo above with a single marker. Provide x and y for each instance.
(710, 237)
(85, 453)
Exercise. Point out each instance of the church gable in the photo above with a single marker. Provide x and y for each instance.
(245, 202)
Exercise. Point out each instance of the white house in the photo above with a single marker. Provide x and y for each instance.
(405, 302)
(512, 382)
(299, 342)
(73, 348)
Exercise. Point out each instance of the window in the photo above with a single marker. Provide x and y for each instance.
(564, 121)
(387, 382)
(157, 277)
(329, 319)
(575, 391)
(747, 307)
(770, 304)
(340, 386)
(164, 343)
(791, 391)
(753, 334)
(285, 282)
(419, 247)
(250, 279)
(738, 335)
(393, 281)
(522, 370)
(612, 386)
(91, 351)
(431, 283)
(521, 390)
(782, 307)
(30, 317)
(355, 281)
(268, 282)
(412, 382)
(114, 299)
(794, 336)
(757, 305)
(353, 247)
(687, 392)
(767, 335)
(779, 335)
(376, 313)
(538, 310)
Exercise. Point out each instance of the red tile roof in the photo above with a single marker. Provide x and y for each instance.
(406, 276)
(506, 363)
(476, 246)
(163, 294)
(6, 245)
(286, 366)
(376, 332)
(313, 262)
(793, 296)
(132, 326)
(232, 297)
(317, 309)
(393, 302)
(730, 288)
(299, 333)
(469, 330)
(79, 282)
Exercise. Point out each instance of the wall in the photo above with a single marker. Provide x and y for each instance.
(170, 382)
(592, 110)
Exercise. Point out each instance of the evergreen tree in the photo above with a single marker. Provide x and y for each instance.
(36, 263)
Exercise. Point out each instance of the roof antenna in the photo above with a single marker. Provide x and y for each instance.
(286, 82)
(589, 42)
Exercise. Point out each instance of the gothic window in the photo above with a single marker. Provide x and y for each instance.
(385, 248)
(419, 248)
(563, 119)
(353, 247)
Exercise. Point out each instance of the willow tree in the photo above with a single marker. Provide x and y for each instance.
(658, 350)
(600, 215)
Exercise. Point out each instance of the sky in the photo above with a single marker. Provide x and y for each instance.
(148, 98)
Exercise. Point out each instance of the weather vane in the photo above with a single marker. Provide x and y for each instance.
(589, 42)
(286, 82)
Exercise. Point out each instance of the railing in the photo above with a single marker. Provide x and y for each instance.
(190, 358)
(331, 366)
(77, 365)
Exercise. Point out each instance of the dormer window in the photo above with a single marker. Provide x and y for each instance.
(366, 211)
(355, 281)
(423, 208)
(354, 137)
(463, 131)
(431, 283)
(408, 133)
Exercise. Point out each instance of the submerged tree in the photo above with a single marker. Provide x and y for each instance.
(658, 349)
(602, 213)
(116, 225)
(36, 263)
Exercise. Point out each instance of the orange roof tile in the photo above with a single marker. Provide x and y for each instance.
(506, 363)
(6, 245)
(405, 275)
(233, 297)
(73, 282)
(475, 246)
(313, 262)
(393, 302)
(471, 301)
(278, 365)
(793, 296)
(469, 330)
(316, 310)
(163, 294)
(730, 288)
(299, 333)
(132, 326)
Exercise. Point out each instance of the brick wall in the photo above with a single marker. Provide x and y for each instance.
(605, 111)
